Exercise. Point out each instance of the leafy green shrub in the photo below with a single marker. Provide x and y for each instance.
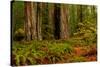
(86, 32)
(19, 34)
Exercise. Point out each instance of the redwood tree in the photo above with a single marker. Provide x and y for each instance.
(64, 33)
(33, 21)
(28, 20)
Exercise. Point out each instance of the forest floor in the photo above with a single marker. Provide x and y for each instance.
(51, 52)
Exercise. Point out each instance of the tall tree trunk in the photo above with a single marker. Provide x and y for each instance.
(64, 33)
(27, 20)
(57, 21)
(39, 20)
(51, 19)
(80, 14)
(33, 24)
(72, 19)
(30, 20)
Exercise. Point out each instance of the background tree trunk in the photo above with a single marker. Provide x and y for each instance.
(51, 19)
(30, 21)
(57, 21)
(33, 28)
(27, 20)
(64, 33)
(72, 19)
(80, 14)
(39, 20)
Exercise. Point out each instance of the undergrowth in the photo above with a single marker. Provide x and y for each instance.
(47, 52)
